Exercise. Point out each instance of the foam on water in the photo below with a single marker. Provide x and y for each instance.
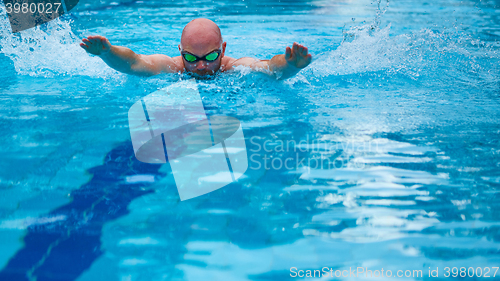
(434, 54)
(49, 50)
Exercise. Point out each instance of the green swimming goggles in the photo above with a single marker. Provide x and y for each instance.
(192, 58)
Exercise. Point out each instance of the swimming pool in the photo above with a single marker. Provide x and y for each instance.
(391, 135)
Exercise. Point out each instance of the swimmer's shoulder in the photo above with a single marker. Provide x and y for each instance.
(177, 60)
(173, 64)
(244, 61)
(227, 63)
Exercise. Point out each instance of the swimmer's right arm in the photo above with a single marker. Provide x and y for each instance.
(125, 60)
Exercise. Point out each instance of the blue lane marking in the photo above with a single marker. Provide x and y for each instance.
(63, 250)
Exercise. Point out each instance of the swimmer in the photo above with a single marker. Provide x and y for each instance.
(202, 52)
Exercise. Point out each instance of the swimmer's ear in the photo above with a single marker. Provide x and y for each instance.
(223, 48)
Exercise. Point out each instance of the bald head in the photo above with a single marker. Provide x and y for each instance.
(201, 37)
(201, 32)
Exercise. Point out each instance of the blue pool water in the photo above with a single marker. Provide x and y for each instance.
(401, 102)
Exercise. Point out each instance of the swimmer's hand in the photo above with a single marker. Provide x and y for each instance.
(96, 45)
(298, 56)
(289, 64)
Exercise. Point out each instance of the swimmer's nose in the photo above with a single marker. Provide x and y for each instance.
(201, 65)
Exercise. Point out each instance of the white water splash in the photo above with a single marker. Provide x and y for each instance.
(425, 52)
(48, 50)
(435, 54)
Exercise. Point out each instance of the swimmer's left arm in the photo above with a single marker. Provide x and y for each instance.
(282, 66)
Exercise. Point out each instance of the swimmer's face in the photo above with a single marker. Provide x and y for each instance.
(207, 51)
